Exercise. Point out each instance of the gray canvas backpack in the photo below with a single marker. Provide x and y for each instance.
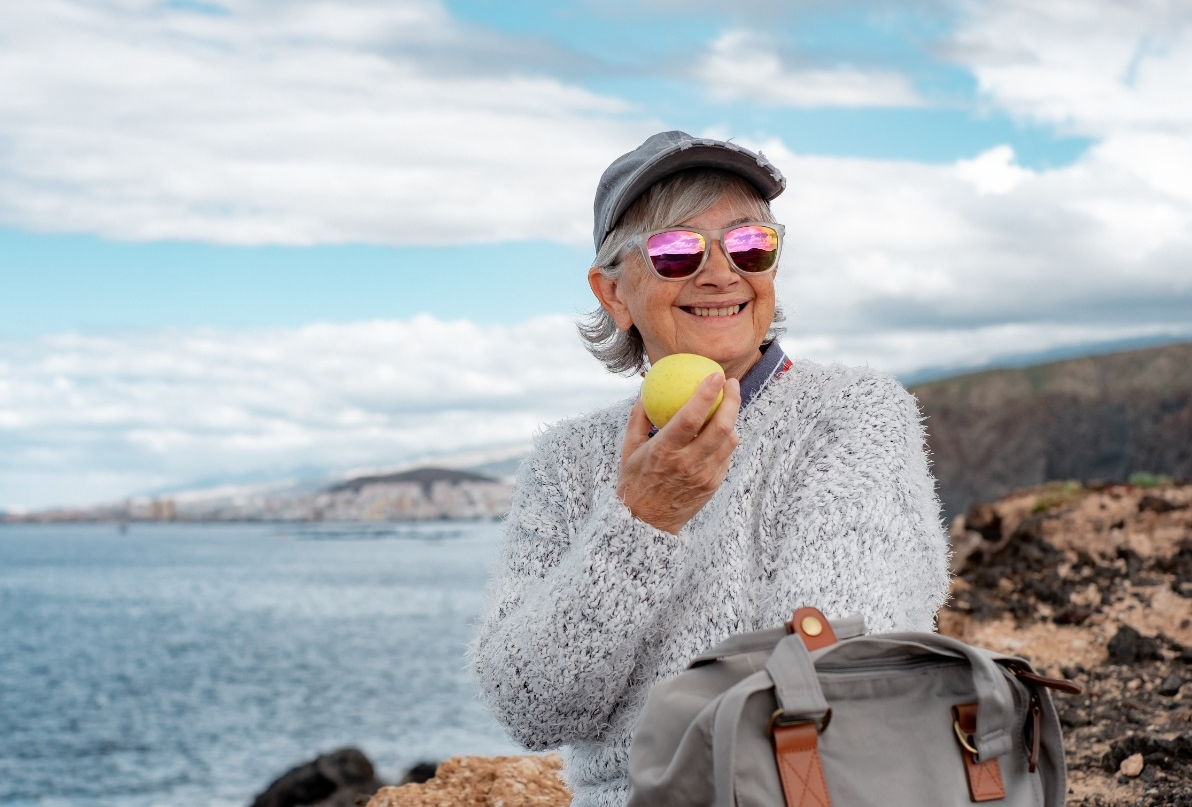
(818, 713)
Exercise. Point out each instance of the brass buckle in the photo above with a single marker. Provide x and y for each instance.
(779, 718)
(966, 740)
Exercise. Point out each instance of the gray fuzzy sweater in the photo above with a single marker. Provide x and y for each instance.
(828, 502)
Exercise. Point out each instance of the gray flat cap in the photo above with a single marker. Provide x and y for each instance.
(663, 154)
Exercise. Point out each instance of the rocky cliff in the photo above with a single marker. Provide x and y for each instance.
(1092, 418)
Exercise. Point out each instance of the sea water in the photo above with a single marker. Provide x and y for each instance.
(188, 665)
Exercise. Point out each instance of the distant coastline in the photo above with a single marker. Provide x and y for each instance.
(422, 494)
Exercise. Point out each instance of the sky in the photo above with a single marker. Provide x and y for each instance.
(244, 240)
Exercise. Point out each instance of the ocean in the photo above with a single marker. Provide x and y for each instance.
(189, 665)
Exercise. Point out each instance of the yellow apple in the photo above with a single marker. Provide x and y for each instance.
(672, 381)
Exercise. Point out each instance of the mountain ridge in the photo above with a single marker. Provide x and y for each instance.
(1098, 417)
(426, 476)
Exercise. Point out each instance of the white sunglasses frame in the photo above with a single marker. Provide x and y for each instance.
(710, 236)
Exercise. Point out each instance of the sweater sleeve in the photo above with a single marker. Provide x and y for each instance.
(572, 593)
(863, 513)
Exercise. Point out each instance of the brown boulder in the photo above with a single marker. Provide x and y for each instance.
(527, 781)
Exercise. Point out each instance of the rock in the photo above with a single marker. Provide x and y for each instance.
(1128, 646)
(985, 520)
(419, 772)
(1131, 766)
(1171, 685)
(1123, 647)
(527, 781)
(336, 779)
(1157, 504)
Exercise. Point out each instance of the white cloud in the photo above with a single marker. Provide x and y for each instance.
(747, 66)
(96, 418)
(1114, 70)
(881, 254)
(1094, 67)
(295, 123)
(993, 171)
(877, 247)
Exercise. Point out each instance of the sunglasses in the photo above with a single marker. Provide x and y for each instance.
(677, 254)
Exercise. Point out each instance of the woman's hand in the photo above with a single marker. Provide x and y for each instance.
(667, 478)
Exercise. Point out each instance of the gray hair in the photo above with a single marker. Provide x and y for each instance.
(679, 197)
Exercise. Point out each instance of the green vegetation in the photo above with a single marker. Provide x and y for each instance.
(1141, 479)
(1055, 494)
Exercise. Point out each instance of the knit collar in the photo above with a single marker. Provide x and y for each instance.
(771, 365)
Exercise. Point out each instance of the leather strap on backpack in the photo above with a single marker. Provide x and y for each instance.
(796, 744)
(796, 750)
(984, 778)
(813, 628)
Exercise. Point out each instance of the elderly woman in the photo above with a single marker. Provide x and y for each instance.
(629, 550)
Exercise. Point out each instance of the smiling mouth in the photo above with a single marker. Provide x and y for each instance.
(726, 311)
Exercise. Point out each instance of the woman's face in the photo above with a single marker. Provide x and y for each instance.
(717, 313)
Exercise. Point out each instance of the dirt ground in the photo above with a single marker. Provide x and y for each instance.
(1092, 583)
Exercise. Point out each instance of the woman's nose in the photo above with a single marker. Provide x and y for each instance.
(717, 270)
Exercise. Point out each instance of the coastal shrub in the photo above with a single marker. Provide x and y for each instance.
(1055, 494)
(1141, 479)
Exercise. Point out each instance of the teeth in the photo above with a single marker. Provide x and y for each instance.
(716, 312)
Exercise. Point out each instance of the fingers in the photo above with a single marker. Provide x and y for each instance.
(730, 407)
(689, 420)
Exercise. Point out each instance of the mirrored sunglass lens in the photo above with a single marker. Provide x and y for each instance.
(753, 248)
(676, 253)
